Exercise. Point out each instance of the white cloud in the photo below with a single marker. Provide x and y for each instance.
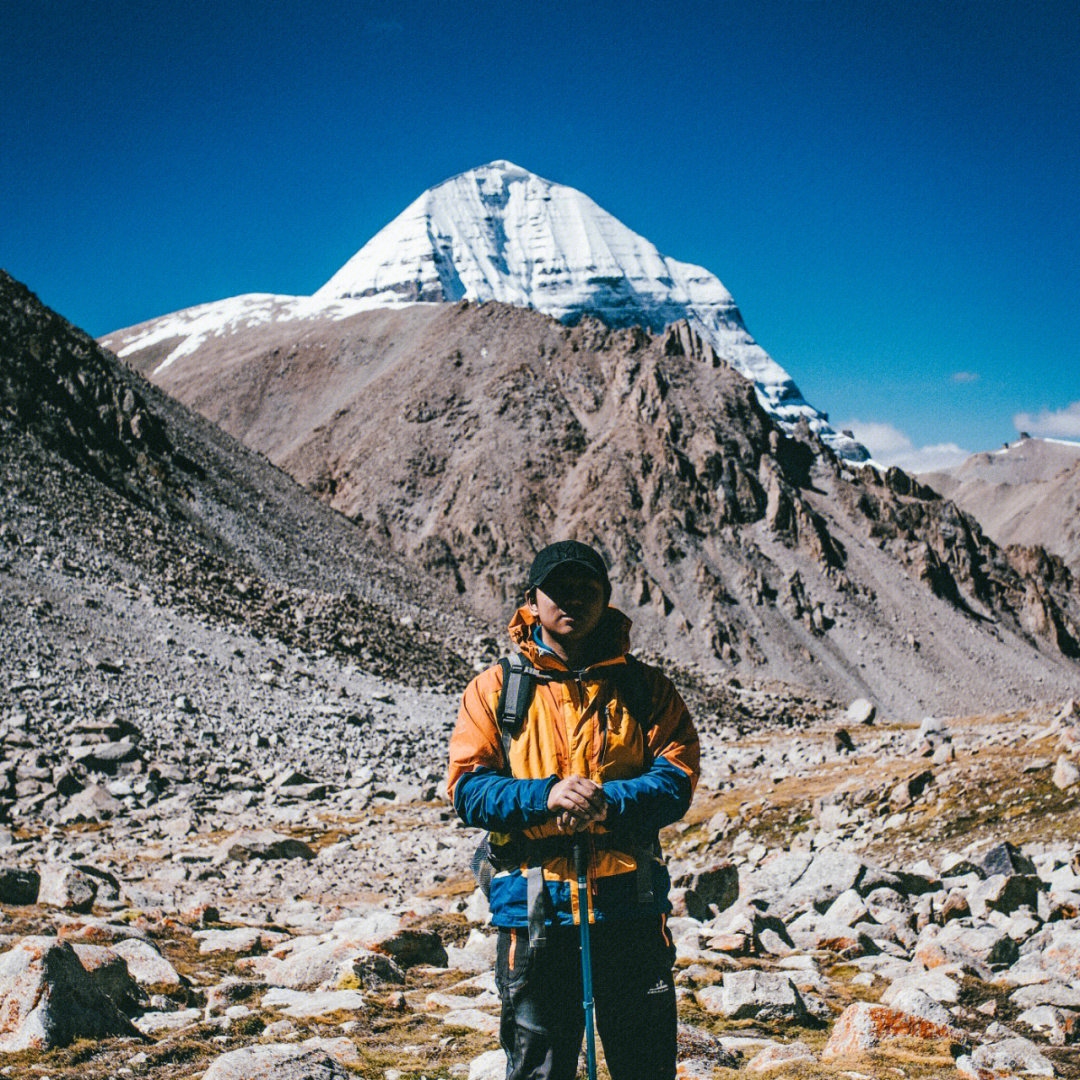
(890, 446)
(964, 377)
(1064, 423)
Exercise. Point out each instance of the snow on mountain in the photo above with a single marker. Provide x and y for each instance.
(501, 233)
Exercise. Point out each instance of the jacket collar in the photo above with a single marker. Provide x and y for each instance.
(611, 637)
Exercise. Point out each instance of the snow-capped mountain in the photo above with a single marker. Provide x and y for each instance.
(502, 233)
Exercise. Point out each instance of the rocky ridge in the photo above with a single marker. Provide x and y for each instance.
(1026, 493)
(467, 435)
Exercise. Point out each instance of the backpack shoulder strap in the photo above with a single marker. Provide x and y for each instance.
(636, 692)
(515, 697)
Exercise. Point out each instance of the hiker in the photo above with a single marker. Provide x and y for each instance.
(574, 740)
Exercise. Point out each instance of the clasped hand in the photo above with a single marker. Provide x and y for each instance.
(577, 802)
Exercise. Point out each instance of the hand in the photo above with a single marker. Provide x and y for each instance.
(578, 802)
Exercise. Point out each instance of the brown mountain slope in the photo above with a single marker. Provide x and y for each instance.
(141, 487)
(1027, 493)
(468, 435)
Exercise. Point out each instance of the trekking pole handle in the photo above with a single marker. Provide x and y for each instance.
(581, 858)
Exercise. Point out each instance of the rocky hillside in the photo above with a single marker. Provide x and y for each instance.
(137, 486)
(1026, 493)
(467, 435)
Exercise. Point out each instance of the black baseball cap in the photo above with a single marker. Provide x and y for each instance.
(568, 553)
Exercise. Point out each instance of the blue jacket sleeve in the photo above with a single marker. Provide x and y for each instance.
(648, 802)
(488, 800)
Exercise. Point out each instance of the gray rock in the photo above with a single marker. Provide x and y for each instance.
(1066, 775)
(110, 975)
(755, 995)
(47, 999)
(145, 964)
(1004, 893)
(68, 887)
(93, 803)
(916, 1002)
(298, 1003)
(488, 1066)
(18, 886)
(1050, 993)
(772, 1057)
(698, 1045)
(1057, 1026)
(276, 1061)
(105, 757)
(265, 845)
(716, 888)
(1006, 858)
(1012, 1055)
(861, 711)
(167, 1020)
(981, 942)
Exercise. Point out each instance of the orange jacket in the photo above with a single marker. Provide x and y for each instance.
(648, 767)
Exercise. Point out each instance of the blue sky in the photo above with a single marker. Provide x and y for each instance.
(891, 191)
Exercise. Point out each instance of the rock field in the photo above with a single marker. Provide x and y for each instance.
(197, 881)
(225, 852)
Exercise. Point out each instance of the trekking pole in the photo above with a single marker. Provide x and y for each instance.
(581, 865)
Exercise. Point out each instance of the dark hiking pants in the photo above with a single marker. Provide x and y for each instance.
(543, 1021)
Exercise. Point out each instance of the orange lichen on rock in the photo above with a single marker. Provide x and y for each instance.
(864, 1026)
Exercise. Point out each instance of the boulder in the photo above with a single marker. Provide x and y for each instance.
(847, 909)
(110, 975)
(909, 789)
(916, 1002)
(298, 1003)
(759, 995)
(711, 891)
(93, 803)
(477, 954)
(861, 711)
(18, 886)
(488, 1066)
(472, 1019)
(700, 1051)
(151, 1023)
(105, 757)
(47, 999)
(265, 845)
(1004, 893)
(67, 887)
(981, 942)
(1011, 1055)
(276, 1061)
(934, 982)
(1057, 1026)
(1049, 993)
(865, 1026)
(383, 932)
(240, 939)
(1006, 858)
(781, 1054)
(146, 965)
(1066, 775)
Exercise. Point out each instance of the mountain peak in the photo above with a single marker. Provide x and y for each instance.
(499, 232)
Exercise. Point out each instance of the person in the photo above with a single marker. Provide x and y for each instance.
(604, 752)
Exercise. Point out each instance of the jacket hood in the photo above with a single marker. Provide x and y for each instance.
(611, 638)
